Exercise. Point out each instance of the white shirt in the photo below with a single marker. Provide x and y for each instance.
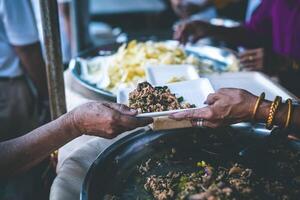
(17, 27)
(65, 44)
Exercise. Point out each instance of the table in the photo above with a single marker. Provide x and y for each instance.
(76, 157)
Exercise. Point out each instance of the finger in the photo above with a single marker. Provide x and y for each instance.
(205, 123)
(184, 36)
(248, 65)
(197, 37)
(250, 52)
(225, 91)
(123, 109)
(252, 69)
(248, 59)
(116, 130)
(183, 32)
(251, 66)
(211, 98)
(202, 113)
(129, 122)
(144, 121)
(178, 30)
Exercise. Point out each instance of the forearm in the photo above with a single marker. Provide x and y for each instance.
(33, 63)
(22, 153)
(281, 115)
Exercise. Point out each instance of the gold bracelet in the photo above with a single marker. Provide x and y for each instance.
(273, 109)
(258, 101)
(289, 114)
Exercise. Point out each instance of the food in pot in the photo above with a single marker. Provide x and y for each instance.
(212, 173)
(146, 98)
(230, 180)
(206, 183)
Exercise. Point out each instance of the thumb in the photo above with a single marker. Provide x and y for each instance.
(121, 108)
(202, 113)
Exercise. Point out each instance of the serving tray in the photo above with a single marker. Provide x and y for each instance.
(220, 59)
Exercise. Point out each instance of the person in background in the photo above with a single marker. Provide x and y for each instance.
(64, 25)
(229, 106)
(257, 54)
(22, 84)
(274, 26)
(207, 9)
(20, 57)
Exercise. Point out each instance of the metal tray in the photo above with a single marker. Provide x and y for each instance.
(112, 170)
(219, 58)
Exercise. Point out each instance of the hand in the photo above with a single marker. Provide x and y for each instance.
(253, 59)
(105, 119)
(191, 31)
(227, 106)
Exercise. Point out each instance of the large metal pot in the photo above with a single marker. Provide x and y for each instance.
(112, 170)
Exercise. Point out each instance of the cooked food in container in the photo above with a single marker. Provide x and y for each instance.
(146, 98)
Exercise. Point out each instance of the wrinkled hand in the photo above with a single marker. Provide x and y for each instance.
(191, 31)
(253, 59)
(105, 119)
(227, 106)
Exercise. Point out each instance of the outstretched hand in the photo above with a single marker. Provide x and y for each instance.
(226, 106)
(191, 31)
(105, 119)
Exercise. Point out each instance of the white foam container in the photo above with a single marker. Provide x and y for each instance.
(162, 74)
(193, 92)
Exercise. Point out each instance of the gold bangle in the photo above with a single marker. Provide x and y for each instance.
(273, 109)
(257, 103)
(289, 114)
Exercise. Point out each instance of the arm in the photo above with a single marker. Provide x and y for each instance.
(33, 63)
(194, 30)
(255, 33)
(280, 117)
(21, 30)
(22, 153)
(98, 119)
